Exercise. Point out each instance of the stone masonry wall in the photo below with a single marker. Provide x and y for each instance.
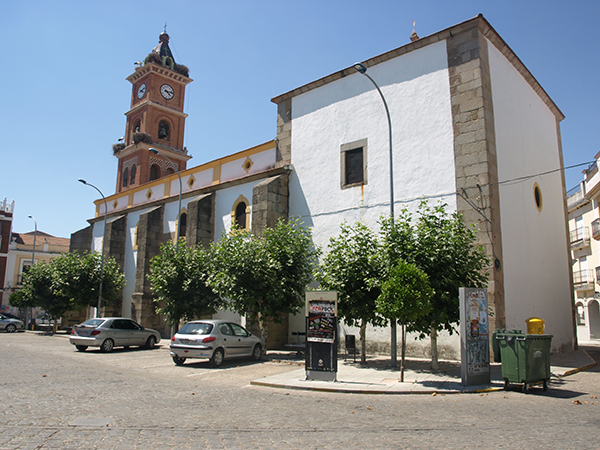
(475, 152)
(115, 248)
(81, 240)
(201, 220)
(284, 132)
(150, 235)
(270, 201)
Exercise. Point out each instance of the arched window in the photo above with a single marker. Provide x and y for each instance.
(132, 176)
(125, 177)
(170, 171)
(240, 215)
(163, 130)
(136, 127)
(154, 172)
(182, 224)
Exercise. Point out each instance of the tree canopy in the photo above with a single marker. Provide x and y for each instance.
(444, 247)
(69, 282)
(351, 262)
(179, 278)
(264, 276)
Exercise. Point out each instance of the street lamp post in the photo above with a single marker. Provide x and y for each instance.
(360, 68)
(153, 150)
(32, 260)
(81, 180)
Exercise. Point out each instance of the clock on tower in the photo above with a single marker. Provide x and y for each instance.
(155, 119)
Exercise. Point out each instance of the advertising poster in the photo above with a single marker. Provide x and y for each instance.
(321, 335)
(475, 344)
(321, 321)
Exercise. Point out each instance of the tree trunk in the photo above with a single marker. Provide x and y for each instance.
(403, 352)
(263, 327)
(434, 349)
(363, 342)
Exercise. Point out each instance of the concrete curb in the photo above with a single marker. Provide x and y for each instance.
(407, 388)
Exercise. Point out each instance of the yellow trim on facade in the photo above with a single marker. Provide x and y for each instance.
(215, 165)
(216, 175)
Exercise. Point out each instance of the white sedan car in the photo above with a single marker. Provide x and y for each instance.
(110, 332)
(214, 340)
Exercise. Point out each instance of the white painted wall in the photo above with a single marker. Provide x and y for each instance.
(534, 244)
(224, 201)
(416, 88)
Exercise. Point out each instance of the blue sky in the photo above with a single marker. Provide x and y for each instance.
(65, 64)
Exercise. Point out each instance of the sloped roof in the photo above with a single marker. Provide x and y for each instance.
(41, 238)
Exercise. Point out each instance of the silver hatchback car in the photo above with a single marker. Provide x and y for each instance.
(110, 332)
(10, 324)
(215, 340)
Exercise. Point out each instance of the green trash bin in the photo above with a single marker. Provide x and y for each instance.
(496, 345)
(525, 358)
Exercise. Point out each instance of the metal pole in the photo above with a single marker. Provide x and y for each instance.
(103, 243)
(360, 68)
(32, 260)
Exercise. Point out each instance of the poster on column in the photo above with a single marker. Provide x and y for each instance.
(474, 336)
(321, 334)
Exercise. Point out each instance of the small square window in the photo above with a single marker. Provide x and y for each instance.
(354, 164)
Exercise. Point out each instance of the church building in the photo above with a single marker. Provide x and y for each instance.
(470, 126)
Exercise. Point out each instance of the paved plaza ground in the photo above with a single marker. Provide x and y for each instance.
(54, 397)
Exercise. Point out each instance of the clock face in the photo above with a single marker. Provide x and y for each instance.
(141, 90)
(167, 91)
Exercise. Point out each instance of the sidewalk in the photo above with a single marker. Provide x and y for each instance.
(377, 377)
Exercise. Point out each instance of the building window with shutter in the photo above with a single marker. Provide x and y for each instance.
(354, 164)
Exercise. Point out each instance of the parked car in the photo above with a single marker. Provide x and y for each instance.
(110, 332)
(10, 325)
(215, 340)
(11, 316)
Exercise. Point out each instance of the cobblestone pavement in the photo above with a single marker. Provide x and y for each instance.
(54, 397)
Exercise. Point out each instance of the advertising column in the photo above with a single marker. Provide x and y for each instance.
(321, 335)
(474, 337)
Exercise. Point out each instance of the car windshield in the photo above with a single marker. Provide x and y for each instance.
(93, 323)
(196, 328)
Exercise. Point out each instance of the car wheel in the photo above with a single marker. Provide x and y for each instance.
(151, 342)
(257, 352)
(178, 361)
(107, 345)
(81, 348)
(217, 358)
(11, 328)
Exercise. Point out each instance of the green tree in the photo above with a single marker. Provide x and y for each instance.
(179, 279)
(443, 247)
(38, 290)
(70, 282)
(77, 277)
(405, 298)
(351, 262)
(264, 277)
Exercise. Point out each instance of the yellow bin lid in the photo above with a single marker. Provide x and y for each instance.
(535, 325)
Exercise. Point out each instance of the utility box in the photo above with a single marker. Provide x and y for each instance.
(525, 358)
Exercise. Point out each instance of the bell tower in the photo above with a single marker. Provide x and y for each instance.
(155, 119)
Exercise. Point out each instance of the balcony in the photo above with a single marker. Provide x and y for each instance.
(575, 198)
(580, 238)
(596, 229)
(583, 280)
